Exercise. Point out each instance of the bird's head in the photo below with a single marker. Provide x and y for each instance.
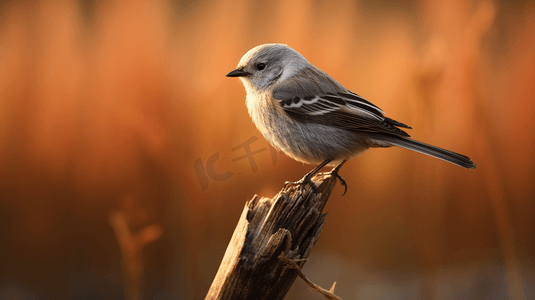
(267, 64)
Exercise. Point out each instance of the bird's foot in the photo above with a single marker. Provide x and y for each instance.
(342, 180)
(303, 181)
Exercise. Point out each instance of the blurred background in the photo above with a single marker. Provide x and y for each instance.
(123, 163)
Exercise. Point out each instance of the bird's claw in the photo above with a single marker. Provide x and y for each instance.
(342, 180)
(303, 181)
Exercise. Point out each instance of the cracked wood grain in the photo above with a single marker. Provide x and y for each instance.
(286, 226)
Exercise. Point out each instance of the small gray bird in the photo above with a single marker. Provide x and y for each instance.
(312, 118)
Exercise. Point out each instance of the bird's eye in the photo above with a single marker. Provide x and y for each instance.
(260, 66)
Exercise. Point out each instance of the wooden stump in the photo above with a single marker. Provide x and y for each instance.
(269, 233)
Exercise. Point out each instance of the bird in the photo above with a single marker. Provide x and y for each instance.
(312, 118)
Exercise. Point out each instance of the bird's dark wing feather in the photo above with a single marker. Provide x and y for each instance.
(325, 101)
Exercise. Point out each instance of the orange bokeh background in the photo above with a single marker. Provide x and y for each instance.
(112, 106)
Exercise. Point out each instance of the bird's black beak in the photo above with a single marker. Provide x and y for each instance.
(238, 73)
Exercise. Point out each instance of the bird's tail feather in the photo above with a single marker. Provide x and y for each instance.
(452, 157)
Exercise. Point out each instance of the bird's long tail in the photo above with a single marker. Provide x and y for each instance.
(452, 157)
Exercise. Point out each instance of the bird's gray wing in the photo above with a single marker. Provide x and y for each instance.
(314, 97)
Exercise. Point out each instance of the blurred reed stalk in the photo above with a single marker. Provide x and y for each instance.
(131, 245)
(479, 26)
